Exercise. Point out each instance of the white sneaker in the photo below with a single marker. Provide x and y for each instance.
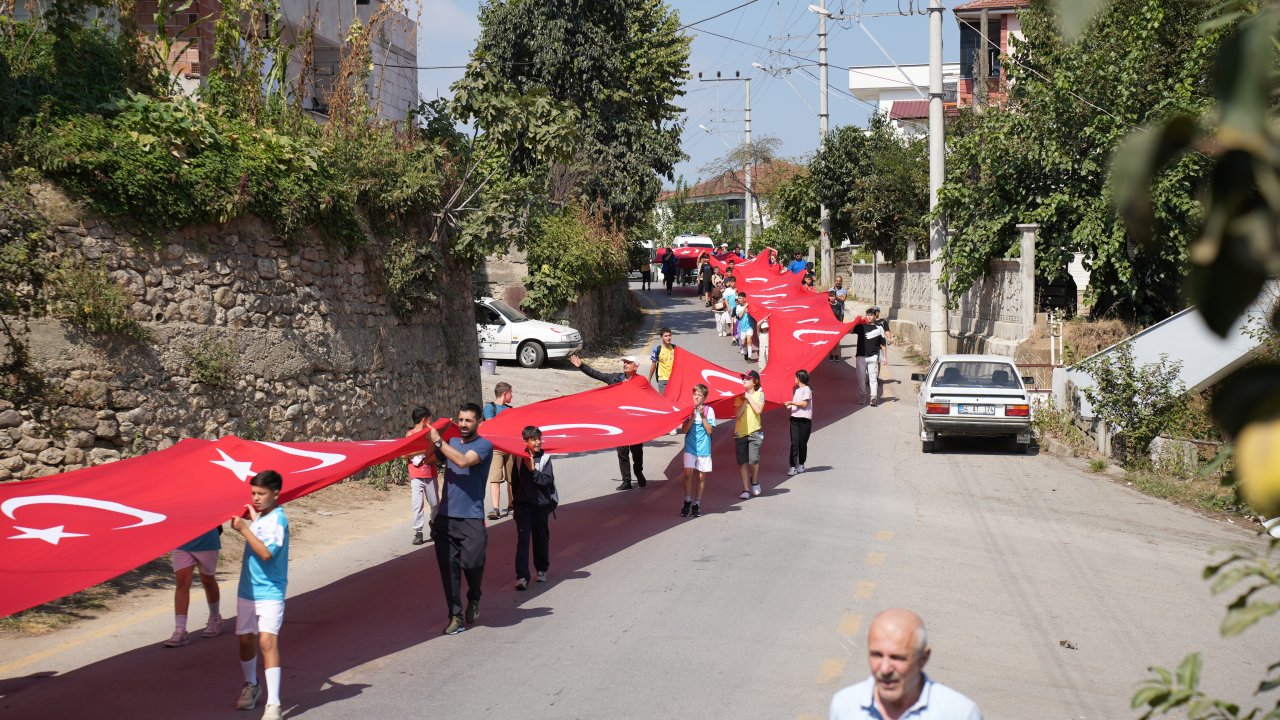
(248, 696)
(755, 489)
(745, 495)
(522, 583)
(272, 712)
(791, 471)
(542, 576)
(800, 469)
(178, 639)
(214, 628)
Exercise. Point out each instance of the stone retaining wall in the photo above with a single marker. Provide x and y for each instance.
(319, 354)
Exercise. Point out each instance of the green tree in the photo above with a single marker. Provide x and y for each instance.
(620, 64)
(1044, 158)
(876, 185)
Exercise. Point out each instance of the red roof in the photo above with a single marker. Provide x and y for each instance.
(909, 110)
(732, 183)
(991, 5)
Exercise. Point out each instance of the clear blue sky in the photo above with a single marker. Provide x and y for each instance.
(784, 106)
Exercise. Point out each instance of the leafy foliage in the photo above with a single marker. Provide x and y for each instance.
(876, 185)
(86, 296)
(1141, 400)
(213, 362)
(619, 63)
(1044, 159)
(571, 250)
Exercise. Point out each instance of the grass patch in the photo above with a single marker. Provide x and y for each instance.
(383, 477)
(1097, 465)
(89, 603)
(1206, 494)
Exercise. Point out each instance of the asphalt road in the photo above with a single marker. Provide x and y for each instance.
(758, 609)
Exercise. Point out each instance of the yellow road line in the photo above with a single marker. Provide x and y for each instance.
(864, 590)
(850, 624)
(832, 669)
(875, 559)
(134, 619)
(884, 535)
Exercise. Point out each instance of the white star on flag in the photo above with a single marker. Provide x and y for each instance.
(242, 470)
(50, 535)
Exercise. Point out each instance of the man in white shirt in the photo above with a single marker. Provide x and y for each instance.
(897, 650)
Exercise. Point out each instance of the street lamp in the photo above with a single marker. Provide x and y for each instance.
(737, 77)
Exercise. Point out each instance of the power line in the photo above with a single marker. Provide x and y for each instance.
(713, 17)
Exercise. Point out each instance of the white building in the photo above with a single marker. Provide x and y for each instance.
(902, 92)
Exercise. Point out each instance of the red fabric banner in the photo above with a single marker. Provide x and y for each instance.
(687, 370)
(628, 413)
(67, 532)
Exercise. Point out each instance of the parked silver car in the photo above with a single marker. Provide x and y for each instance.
(979, 395)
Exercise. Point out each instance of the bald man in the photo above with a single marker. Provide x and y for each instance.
(897, 650)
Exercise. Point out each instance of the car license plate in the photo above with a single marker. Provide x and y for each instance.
(977, 409)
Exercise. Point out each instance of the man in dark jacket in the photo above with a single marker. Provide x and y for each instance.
(636, 451)
(669, 269)
(534, 485)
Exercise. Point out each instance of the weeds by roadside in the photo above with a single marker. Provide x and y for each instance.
(1206, 494)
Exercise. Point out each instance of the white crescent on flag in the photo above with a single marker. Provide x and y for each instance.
(326, 459)
(144, 517)
(608, 429)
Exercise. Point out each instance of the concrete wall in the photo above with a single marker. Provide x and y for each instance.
(319, 353)
(994, 316)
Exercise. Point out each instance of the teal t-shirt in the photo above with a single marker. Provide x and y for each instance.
(697, 441)
(267, 580)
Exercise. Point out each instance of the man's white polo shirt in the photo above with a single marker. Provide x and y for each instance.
(937, 702)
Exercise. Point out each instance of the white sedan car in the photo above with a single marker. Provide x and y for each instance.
(981, 395)
(505, 333)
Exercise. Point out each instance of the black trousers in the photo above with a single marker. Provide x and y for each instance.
(800, 429)
(637, 460)
(532, 524)
(460, 549)
(670, 279)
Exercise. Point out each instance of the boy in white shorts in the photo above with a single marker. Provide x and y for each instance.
(697, 449)
(198, 554)
(260, 599)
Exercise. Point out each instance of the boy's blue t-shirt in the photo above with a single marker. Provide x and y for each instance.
(464, 487)
(267, 580)
(744, 322)
(697, 441)
(211, 540)
(492, 410)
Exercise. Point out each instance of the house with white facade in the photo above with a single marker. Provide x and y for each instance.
(728, 191)
(902, 92)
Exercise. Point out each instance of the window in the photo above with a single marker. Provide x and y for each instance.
(486, 315)
(996, 375)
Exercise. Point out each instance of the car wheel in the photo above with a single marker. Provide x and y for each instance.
(531, 354)
(926, 446)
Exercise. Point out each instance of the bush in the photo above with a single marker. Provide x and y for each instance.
(571, 251)
(1143, 401)
(213, 362)
(86, 296)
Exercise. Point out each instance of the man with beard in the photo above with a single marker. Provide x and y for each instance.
(459, 532)
(897, 650)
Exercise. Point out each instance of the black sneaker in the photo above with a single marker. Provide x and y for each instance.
(640, 480)
(417, 538)
(697, 510)
(626, 485)
(455, 625)
(684, 511)
(473, 611)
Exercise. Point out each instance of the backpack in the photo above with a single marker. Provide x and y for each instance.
(547, 494)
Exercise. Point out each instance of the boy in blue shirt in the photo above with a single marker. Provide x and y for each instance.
(697, 449)
(260, 599)
(202, 554)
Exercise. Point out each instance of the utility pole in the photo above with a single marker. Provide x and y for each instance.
(825, 258)
(937, 173)
(747, 198)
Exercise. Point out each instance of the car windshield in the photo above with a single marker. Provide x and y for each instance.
(996, 375)
(509, 312)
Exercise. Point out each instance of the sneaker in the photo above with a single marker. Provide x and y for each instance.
(640, 480)
(178, 639)
(542, 576)
(494, 514)
(697, 510)
(684, 511)
(799, 469)
(874, 402)
(248, 696)
(791, 471)
(455, 625)
(473, 611)
(522, 584)
(626, 485)
(755, 489)
(745, 495)
(417, 538)
(272, 712)
(214, 628)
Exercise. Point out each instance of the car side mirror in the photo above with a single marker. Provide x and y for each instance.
(918, 377)
(1028, 380)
